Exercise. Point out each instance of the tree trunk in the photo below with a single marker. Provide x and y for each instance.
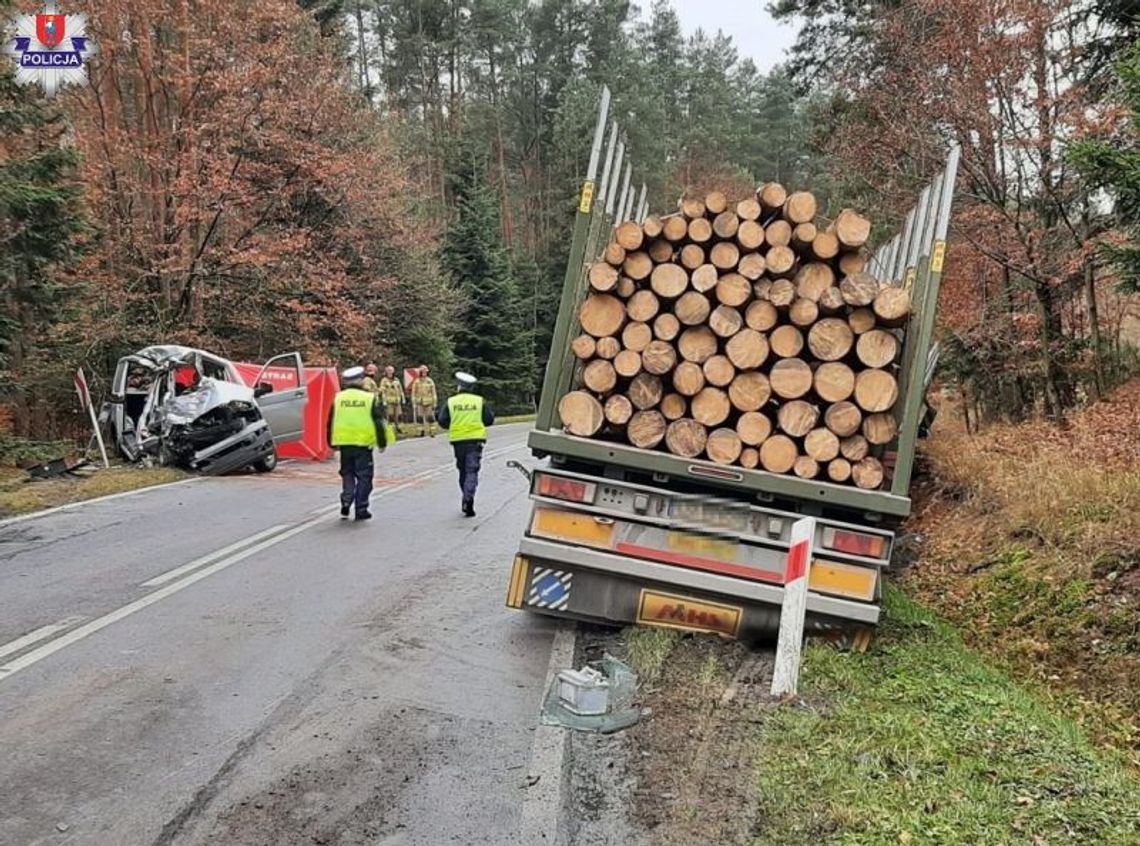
(797, 418)
(669, 281)
(726, 224)
(877, 348)
(761, 315)
(719, 371)
(843, 418)
(637, 265)
(830, 339)
(778, 454)
(601, 315)
(608, 348)
(839, 470)
(581, 414)
(733, 290)
(646, 429)
(705, 278)
(629, 235)
(645, 391)
(790, 378)
(747, 349)
(692, 256)
(603, 276)
(659, 358)
(636, 336)
(852, 229)
(834, 381)
(806, 467)
(876, 390)
(725, 321)
(666, 327)
(868, 473)
(642, 306)
(880, 429)
(859, 289)
(686, 437)
(854, 448)
(786, 341)
(711, 406)
(674, 406)
(688, 379)
(750, 391)
(772, 196)
(627, 363)
(724, 446)
(584, 346)
(778, 233)
(725, 256)
(804, 312)
(752, 266)
(750, 235)
(618, 409)
(692, 309)
(753, 428)
(697, 344)
(801, 207)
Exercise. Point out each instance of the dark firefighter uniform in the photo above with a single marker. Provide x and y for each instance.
(466, 416)
(356, 427)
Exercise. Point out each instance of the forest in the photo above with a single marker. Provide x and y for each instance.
(395, 180)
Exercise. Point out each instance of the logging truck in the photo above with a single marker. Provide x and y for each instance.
(717, 373)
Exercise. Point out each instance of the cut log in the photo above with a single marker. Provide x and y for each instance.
(692, 256)
(630, 235)
(772, 196)
(646, 429)
(637, 266)
(868, 474)
(852, 229)
(778, 233)
(843, 418)
(861, 320)
(806, 467)
(659, 358)
(839, 470)
(666, 327)
(669, 280)
(859, 289)
(851, 263)
(803, 235)
(790, 378)
(786, 341)
(782, 293)
(725, 224)
(725, 255)
(830, 339)
(800, 207)
(854, 448)
(892, 305)
(618, 409)
(724, 446)
(749, 458)
(778, 454)
(705, 278)
(750, 235)
(797, 418)
(674, 406)
(581, 414)
(700, 231)
(627, 363)
(584, 346)
(781, 261)
(813, 279)
(697, 344)
(880, 429)
(877, 348)
(688, 379)
(692, 208)
(753, 428)
(749, 391)
(715, 202)
(804, 312)
(686, 437)
(652, 227)
(725, 321)
(608, 348)
(601, 315)
(676, 228)
(831, 301)
(626, 288)
(761, 315)
(711, 406)
(614, 254)
(660, 251)
(719, 371)
(748, 210)
(692, 309)
(876, 390)
(825, 247)
(821, 444)
(733, 290)
(636, 336)
(642, 306)
(752, 266)
(834, 381)
(645, 391)
(747, 349)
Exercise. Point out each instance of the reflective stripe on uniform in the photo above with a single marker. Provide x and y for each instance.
(466, 412)
(352, 418)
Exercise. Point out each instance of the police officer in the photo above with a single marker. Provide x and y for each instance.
(466, 416)
(356, 426)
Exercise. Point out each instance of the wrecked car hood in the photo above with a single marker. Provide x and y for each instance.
(210, 394)
(164, 355)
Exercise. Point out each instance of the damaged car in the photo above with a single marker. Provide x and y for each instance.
(188, 407)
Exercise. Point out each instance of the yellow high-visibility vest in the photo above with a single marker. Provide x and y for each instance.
(466, 412)
(352, 418)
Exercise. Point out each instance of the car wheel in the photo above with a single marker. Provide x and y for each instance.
(267, 464)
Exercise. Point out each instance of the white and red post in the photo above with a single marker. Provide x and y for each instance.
(791, 640)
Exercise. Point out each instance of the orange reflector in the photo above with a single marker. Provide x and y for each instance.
(518, 583)
(842, 580)
(855, 543)
(570, 490)
(572, 526)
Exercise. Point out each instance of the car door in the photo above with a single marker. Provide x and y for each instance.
(283, 406)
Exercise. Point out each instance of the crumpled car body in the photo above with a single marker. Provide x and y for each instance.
(190, 408)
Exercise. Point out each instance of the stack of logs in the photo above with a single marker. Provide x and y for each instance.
(747, 333)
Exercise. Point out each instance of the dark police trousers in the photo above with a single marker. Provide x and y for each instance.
(356, 469)
(468, 458)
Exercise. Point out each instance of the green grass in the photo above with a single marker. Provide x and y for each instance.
(920, 741)
(647, 648)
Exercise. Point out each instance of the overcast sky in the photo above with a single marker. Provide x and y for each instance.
(752, 29)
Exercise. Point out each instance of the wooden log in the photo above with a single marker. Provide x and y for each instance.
(584, 346)
(608, 348)
(748, 210)
(825, 246)
(626, 288)
(692, 256)
(753, 428)
(725, 321)
(733, 290)
(642, 306)
(710, 407)
(761, 315)
(704, 278)
(778, 454)
(806, 467)
(688, 379)
(719, 371)
(749, 391)
(892, 305)
(646, 429)
(618, 409)
(645, 391)
(724, 446)
(778, 233)
(692, 208)
(851, 263)
(772, 196)
(669, 281)
(652, 227)
(750, 235)
(725, 255)
(686, 437)
(762, 289)
(581, 414)
(747, 349)
(636, 336)
(797, 418)
(834, 381)
(813, 279)
(803, 235)
(830, 339)
(692, 308)
(700, 231)
(877, 348)
(831, 301)
(861, 320)
(859, 289)
(659, 357)
(725, 225)
(868, 473)
(637, 266)
(790, 378)
(804, 312)
(674, 406)
(749, 458)
(782, 293)
(821, 444)
(800, 207)
(676, 229)
(852, 229)
(601, 315)
(660, 251)
(614, 254)
(880, 429)
(786, 341)
(854, 448)
(876, 390)
(666, 327)
(752, 266)
(627, 363)
(843, 418)
(781, 261)
(697, 344)
(630, 235)
(715, 202)
(839, 470)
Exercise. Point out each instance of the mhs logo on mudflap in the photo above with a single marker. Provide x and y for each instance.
(51, 49)
(680, 612)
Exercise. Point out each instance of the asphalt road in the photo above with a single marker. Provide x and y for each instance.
(225, 661)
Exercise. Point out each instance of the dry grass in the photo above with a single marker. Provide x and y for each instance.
(20, 496)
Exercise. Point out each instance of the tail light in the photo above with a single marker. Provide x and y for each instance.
(855, 543)
(570, 490)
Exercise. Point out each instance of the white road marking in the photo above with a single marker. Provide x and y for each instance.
(36, 636)
(219, 553)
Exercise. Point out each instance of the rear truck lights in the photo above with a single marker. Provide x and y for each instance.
(854, 543)
(571, 490)
(844, 580)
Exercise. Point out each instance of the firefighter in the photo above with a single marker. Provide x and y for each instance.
(466, 416)
(424, 398)
(356, 427)
(370, 379)
(392, 395)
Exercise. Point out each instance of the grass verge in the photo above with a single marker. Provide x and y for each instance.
(920, 741)
(20, 496)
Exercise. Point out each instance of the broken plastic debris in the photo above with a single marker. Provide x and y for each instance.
(598, 698)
